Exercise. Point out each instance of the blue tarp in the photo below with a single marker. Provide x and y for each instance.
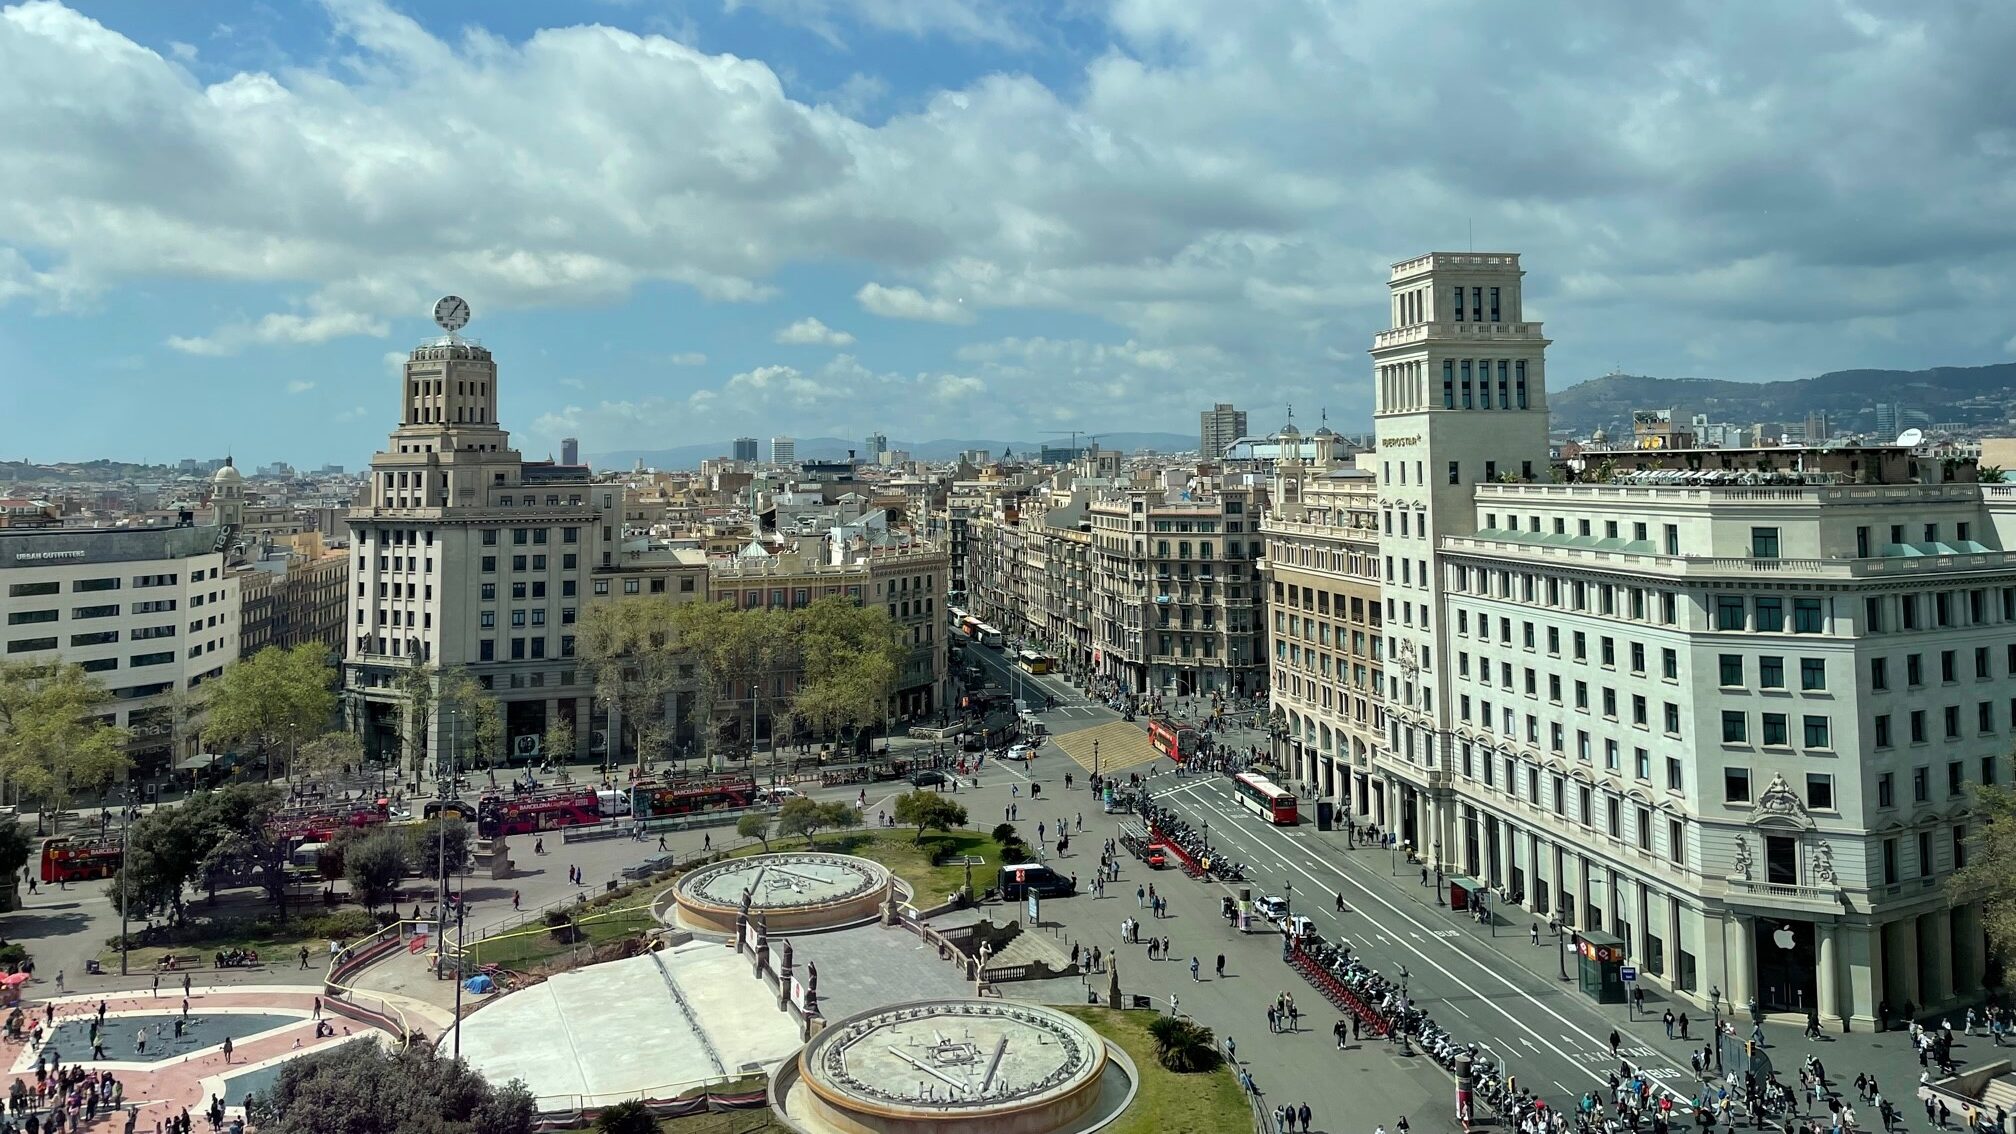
(481, 982)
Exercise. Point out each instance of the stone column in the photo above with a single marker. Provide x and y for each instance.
(1970, 958)
(1739, 935)
(1829, 979)
(1905, 965)
(1939, 973)
(584, 726)
(1865, 971)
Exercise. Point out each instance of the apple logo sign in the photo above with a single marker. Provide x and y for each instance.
(1783, 937)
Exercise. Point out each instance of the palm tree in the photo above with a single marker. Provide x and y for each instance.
(1184, 1046)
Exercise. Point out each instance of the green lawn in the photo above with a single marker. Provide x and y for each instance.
(1168, 1103)
(536, 942)
(276, 943)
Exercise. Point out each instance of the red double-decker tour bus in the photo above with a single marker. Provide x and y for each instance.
(518, 815)
(656, 799)
(1176, 741)
(318, 824)
(79, 860)
(1266, 799)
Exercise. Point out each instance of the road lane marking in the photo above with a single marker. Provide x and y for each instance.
(1417, 951)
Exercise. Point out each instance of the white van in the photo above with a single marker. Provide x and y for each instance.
(612, 803)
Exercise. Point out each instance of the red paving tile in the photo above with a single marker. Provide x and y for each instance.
(164, 1088)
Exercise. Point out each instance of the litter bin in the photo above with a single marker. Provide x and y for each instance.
(1324, 814)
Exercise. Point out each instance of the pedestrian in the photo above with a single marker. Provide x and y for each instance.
(1303, 1113)
(185, 984)
(707, 841)
(661, 842)
(1615, 1042)
(1231, 1051)
(59, 982)
(1683, 1026)
(318, 1009)
(1172, 1004)
(1140, 898)
(514, 899)
(1340, 902)
(1533, 934)
(227, 1049)
(1273, 1019)
(1668, 1021)
(1221, 966)
(1193, 969)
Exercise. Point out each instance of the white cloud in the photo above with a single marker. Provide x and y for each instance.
(811, 332)
(1199, 200)
(354, 413)
(278, 329)
(909, 303)
(687, 358)
(184, 51)
(300, 386)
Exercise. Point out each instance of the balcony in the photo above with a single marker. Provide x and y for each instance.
(1776, 895)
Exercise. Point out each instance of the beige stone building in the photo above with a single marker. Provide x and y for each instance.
(1177, 587)
(1325, 620)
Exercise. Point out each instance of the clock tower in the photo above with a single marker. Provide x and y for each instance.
(1460, 399)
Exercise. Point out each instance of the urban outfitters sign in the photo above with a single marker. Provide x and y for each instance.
(33, 555)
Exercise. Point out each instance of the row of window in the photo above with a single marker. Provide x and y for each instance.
(1917, 722)
(523, 648)
(1484, 767)
(1457, 389)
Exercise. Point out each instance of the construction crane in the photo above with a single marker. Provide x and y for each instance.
(1075, 434)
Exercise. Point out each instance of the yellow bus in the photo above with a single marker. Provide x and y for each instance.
(1033, 662)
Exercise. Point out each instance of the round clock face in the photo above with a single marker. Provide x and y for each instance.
(451, 313)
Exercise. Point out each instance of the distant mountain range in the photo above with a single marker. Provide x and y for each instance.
(835, 449)
(1968, 395)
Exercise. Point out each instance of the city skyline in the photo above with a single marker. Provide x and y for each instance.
(951, 220)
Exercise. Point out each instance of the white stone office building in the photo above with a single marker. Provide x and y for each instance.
(1728, 708)
(147, 611)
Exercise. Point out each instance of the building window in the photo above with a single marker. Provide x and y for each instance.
(1770, 672)
(1735, 727)
(1732, 671)
(1812, 673)
(1764, 543)
(1820, 791)
(1735, 785)
(1817, 733)
(1808, 616)
(1774, 729)
(631, 586)
(1729, 612)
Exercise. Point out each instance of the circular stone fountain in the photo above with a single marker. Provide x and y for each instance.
(793, 891)
(956, 1067)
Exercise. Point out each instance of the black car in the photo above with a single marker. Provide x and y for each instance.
(927, 778)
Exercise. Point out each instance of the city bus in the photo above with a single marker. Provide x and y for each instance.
(518, 815)
(1034, 662)
(79, 860)
(1176, 741)
(970, 626)
(1263, 798)
(987, 636)
(959, 616)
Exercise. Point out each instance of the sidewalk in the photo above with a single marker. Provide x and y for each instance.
(1889, 1055)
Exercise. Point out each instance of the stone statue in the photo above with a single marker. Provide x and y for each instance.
(787, 956)
(812, 977)
(1743, 856)
(1823, 863)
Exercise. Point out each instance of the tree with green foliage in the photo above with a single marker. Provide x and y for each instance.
(16, 849)
(472, 720)
(745, 660)
(807, 817)
(374, 863)
(1183, 1045)
(636, 654)
(426, 843)
(53, 740)
(756, 825)
(272, 701)
(416, 693)
(166, 850)
(1990, 874)
(246, 839)
(929, 811)
(628, 1117)
(370, 1087)
(328, 754)
(851, 657)
(557, 744)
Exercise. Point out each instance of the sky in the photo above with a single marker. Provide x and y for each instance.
(222, 225)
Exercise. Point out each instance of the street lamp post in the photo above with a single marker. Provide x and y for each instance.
(125, 824)
(1561, 947)
(1406, 1047)
(1715, 1002)
(1287, 897)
